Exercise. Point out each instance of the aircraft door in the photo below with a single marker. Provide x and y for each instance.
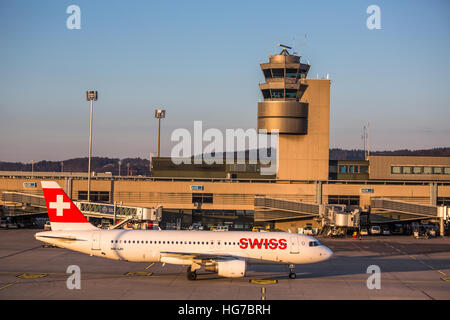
(96, 241)
(294, 244)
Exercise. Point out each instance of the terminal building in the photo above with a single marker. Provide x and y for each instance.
(307, 186)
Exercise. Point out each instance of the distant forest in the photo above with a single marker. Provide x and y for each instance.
(138, 166)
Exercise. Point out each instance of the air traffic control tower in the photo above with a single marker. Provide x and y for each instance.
(299, 108)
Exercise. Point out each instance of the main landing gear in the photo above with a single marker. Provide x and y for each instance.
(292, 274)
(191, 275)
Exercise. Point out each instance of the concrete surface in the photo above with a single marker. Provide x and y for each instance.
(410, 269)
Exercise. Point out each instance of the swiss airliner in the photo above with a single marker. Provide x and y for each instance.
(226, 253)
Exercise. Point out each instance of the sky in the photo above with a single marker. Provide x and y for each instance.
(199, 60)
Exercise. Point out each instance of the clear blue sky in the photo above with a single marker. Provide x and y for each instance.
(200, 61)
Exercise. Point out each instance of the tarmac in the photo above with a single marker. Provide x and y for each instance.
(410, 269)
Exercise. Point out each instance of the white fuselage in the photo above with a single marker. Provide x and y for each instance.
(154, 246)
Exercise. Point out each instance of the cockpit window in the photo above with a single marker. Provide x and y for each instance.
(314, 243)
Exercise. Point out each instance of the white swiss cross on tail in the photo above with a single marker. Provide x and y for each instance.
(59, 205)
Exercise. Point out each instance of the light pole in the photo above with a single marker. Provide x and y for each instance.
(120, 163)
(159, 114)
(90, 96)
(32, 168)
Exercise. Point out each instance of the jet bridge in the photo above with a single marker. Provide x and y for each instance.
(271, 209)
(387, 210)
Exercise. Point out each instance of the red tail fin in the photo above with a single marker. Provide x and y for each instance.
(62, 212)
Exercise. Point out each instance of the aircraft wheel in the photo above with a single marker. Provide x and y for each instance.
(292, 275)
(192, 276)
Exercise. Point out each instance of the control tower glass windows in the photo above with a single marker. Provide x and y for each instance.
(278, 73)
(266, 93)
(267, 73)
(291, 93)
(291, 73)
(277, 93)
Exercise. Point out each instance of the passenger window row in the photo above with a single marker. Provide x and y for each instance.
(172, 242)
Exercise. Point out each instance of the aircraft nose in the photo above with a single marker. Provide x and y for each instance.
(329, 253)
(325, 253)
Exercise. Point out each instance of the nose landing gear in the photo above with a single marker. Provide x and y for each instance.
(292, 274)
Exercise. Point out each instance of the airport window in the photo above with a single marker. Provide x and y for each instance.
(443, 201)
(447, 170)
(363, 169)
(406, 170)
(278, 73)
(417, 170)
(427, 170)
(292, 73)
(277, 93)
(396, 170)
(291, 93)
(343, 199)
(96, 196)
(342, 169)
(437, 170)
(266, 93)
(202, 198)
(267, 73)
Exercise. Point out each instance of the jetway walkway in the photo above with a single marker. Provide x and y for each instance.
(269, 209)
(386, 210)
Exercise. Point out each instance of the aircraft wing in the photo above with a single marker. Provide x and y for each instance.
(193, 256)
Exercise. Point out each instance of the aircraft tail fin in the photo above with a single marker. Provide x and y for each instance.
(62, 212)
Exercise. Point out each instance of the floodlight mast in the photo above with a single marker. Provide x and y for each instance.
(159, 114)
(90, 96)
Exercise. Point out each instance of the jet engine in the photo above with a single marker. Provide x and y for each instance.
(228, 268)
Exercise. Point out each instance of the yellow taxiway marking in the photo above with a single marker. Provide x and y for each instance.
(149, 266)
(32, 275)
(8, 285)
(424, 263)
(446, 279)
(139, 273)
(260, 281)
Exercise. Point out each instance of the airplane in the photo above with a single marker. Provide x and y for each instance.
(225, 253)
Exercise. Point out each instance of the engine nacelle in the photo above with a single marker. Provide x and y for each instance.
(231, 268)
